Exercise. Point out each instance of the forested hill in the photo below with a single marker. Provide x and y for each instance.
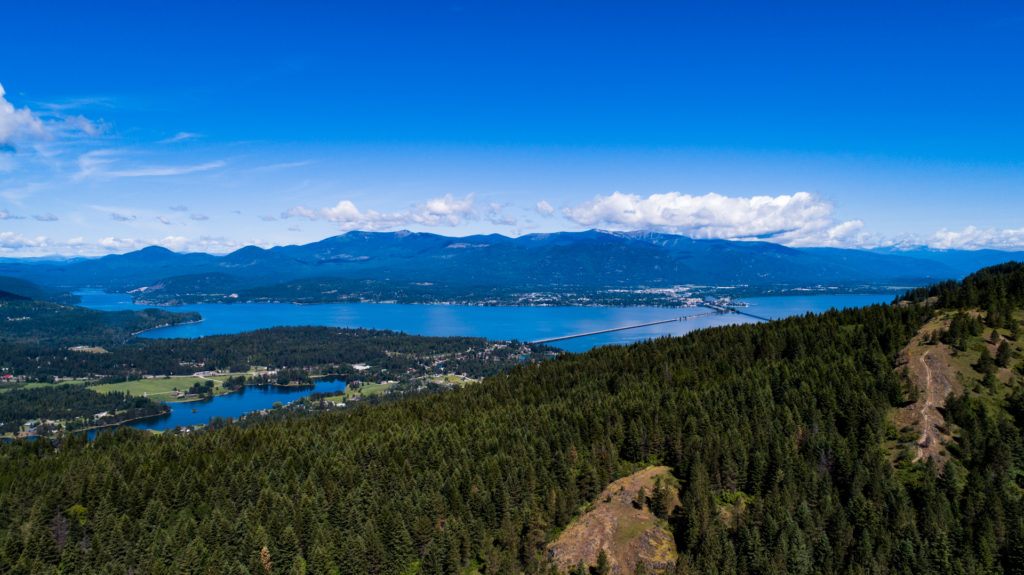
(789, 417)
(24, 321)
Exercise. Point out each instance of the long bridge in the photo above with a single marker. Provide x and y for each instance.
(717, 309)
(730, 309)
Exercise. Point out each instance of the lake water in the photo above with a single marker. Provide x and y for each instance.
(497, 322)
(246, 400)
(494, 322)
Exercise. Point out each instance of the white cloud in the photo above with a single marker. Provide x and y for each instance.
(23, 129)
(174, 243)
(163, 220)
(5, 215)
(13, 241)
(208, 244)
(444, 211)
(796, 219)
(198, 217)
(348, 217)
(973, 238)
(18, 124)
(112, 244)
(544, 208)
(121, 217)
(45, 218)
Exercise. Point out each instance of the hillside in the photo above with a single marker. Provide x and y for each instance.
(15, 288)
(971, 354)
(777, 433)
(24, 321)
(572, 267)
(627, 529)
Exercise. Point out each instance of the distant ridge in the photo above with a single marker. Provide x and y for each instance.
(480, 264)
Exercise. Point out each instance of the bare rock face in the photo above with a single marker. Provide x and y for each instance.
(624, 528)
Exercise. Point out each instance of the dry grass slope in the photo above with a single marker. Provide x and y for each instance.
(937, 370)
(626, 534)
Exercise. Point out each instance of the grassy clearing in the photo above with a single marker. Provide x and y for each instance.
(12, 386)
(159, 389)
(452, 379)
(365, 390)
(630, 527)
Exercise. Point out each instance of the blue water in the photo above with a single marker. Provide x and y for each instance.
(522, 323)
(231, 405)
(494, 322)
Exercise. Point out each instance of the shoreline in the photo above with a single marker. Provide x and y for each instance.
(200, 320)
(795, 292)
(120, 423)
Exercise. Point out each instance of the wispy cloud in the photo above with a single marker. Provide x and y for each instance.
(198, 217)
(122, 217)
(163, 220)
(178, 208)
(5, 215)
(45, 218)
(157, 171)
(497, 217)
(180, 137)
(281, 166)
(98, 163)
(268, 218)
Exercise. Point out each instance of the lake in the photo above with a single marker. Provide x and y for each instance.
(246, 400)
(493, 322)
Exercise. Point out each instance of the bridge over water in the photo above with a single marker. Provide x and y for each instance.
(716, 309)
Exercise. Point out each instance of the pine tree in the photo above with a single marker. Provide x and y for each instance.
(602, 567)
(1004, 354)
(985, 363)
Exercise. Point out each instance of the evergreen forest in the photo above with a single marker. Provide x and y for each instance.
(792, 415)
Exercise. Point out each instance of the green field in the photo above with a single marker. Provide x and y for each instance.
(367, 389)
(452, 379)
(159, 389)
(11, 386)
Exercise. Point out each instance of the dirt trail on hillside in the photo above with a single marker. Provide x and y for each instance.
(936, 389)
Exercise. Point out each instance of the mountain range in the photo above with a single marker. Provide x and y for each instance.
(379, 265)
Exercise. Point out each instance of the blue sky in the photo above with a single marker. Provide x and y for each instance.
(208, 126)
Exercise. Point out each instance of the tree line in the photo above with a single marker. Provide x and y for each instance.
(789, 417)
